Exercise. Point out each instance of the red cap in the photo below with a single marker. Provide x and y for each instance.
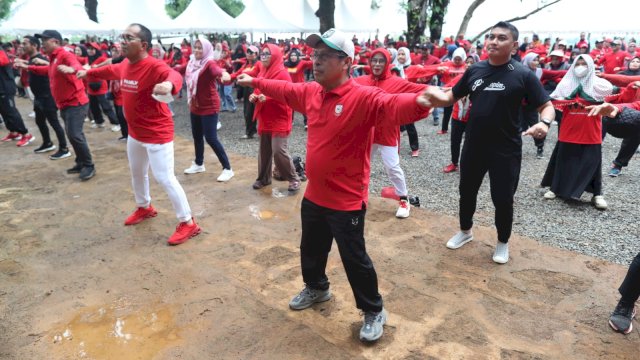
(104, 46)
(94, 45)
(609, 40)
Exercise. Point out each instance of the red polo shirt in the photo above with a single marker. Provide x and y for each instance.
(67, 89)
(340, 134)
(149, 121)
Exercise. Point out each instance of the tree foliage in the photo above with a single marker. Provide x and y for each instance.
(231, 7)
(5, 7)
(423, 14)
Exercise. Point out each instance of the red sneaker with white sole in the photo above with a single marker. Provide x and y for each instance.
(184, 232)
(140, 215)
(12, 136)
(450, 168)
(26, 140)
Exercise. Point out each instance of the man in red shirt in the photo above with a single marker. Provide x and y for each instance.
(70, 96)
(342, 115)
(150, 125)
(614, 60)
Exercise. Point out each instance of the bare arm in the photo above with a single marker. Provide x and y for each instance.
(434, 97)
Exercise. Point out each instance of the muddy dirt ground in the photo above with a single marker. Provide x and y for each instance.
(77, 284)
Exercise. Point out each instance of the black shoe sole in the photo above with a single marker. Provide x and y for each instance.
(73, 171)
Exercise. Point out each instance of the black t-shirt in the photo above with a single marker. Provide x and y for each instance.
(39, 83)
(496, 94)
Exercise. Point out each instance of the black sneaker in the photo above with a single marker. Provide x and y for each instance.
(75, 170)
(540, 152)
(45, 148)
(60, 154)
(123, 138)
(622, 317)
(87, 173)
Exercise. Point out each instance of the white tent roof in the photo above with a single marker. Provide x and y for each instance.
(66, 16)
(299, 12)
(257, 17)
(204, 15)
(354, 17)
(118, 14)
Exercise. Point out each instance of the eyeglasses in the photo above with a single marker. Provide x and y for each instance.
(126, 38)
(378, 61)
(265, 55)
(322, 57)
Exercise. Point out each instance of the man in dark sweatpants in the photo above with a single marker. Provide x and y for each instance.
(8, 111)
(493, 140)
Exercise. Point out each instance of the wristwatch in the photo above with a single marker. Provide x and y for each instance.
(546, 122)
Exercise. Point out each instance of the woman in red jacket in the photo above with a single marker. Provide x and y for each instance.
(97, 90)
(274, 124)
(201, 76)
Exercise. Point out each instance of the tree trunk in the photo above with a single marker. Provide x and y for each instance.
(468, 15)
(416, 20)
(325, 14)
(438, 10)
(91, 6)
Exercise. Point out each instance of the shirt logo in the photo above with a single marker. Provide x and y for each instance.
(338, 109)
(476, 84)
(496, 86)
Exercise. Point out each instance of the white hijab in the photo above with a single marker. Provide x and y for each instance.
(597, 88)
(407, 61)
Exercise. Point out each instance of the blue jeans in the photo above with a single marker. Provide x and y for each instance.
(227, 100)
(204, 127)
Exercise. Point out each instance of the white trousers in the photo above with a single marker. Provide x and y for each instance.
(160, 158)
(391, 162)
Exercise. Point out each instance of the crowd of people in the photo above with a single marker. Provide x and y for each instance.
(356, 98)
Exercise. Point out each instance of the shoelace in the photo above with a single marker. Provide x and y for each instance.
(404, 204)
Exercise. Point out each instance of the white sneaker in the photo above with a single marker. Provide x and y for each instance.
(459, 239)
(115, 128)
(32, 114)
(226, 175)
(97, 126)
(219, 126)
(501, 255)
(549, 195)
(194, 168)
(599, 202)
(404, 209)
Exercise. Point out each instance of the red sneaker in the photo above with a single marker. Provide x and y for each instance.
(184, 232)
(26, 139)
(441, 132)
(415, 153)
(12, 136)
(140, 214)
(450, 168)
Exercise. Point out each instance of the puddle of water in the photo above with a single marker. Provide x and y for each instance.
(276, 193)
(116, 332)
(261, 214)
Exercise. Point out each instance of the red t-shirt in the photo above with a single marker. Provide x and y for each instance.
(207, 99)
(67, 89)
(297, 72)
(576, 126)
(340, 134)
(149, 121)
(97, 86)
(613, 60)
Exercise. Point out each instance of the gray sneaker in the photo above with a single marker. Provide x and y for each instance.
(372, 328)
(459, 239)
(308, 297)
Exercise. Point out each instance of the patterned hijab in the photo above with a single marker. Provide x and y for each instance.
(194, 66)
(590, 87)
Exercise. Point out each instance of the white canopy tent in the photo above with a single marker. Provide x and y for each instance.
(257, 17)
(390, 18)
(298, 12)
(66, 16)
(354, 16)
(118, 14)
(204, 16)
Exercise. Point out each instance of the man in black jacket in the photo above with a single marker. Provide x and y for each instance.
(43, 104)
